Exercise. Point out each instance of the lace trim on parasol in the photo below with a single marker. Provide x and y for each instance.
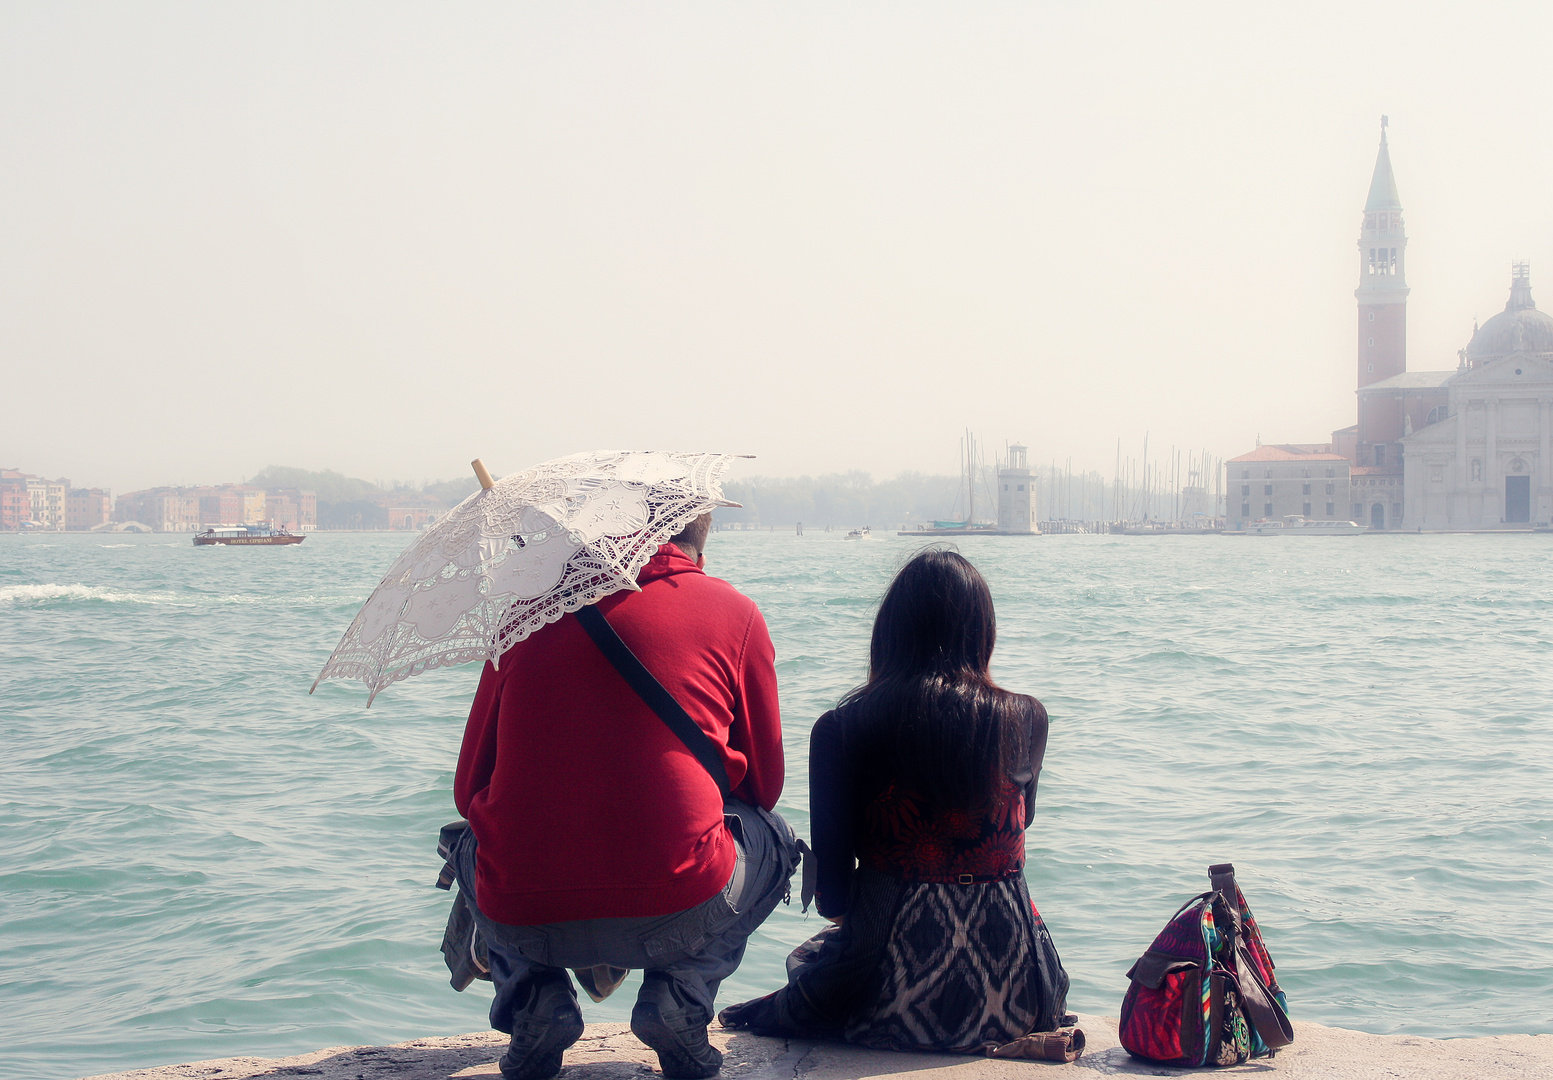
(511, 559)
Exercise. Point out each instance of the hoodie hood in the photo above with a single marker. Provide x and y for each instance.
(668, 562)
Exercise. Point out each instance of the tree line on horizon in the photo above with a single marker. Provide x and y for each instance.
(347, 502)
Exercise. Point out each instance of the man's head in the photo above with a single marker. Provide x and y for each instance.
(692, 538)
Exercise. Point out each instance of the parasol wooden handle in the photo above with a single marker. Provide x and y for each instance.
(482, 474)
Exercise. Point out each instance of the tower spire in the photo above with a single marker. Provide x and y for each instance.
(1383, 185)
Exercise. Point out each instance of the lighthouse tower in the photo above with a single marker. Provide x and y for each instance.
(1016, 494)
(1382, 296)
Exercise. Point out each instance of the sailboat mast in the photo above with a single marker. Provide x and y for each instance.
(970, 477)
(1146, 491)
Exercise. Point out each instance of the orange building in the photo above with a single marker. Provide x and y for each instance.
(409, 511)
(15, 503)
(87, 508)
(251, 504)
(218, 505)
(164, 509)
(1273, 482)
(293, 508)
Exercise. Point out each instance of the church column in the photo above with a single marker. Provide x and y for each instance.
(1458, 494)
(1493, 493)
(1544, 461)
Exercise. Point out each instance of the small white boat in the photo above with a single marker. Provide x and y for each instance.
(858, 534)
(1296, 525)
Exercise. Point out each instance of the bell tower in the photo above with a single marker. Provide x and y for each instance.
(1382, 296)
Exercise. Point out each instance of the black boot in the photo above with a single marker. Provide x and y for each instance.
(747, 1015)
(676, 1030)
(542, 1028)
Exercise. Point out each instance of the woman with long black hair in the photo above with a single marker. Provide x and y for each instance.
(921, 785)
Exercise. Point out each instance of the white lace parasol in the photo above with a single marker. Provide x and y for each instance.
(520, 554)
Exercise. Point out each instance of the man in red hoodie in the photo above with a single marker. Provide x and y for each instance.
(596, 837)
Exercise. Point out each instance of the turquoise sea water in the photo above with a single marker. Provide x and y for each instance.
(200, 860)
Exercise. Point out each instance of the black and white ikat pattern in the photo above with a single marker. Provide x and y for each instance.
(919, 966)
(961, 969)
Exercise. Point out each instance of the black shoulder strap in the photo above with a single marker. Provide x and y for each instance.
(636, 675)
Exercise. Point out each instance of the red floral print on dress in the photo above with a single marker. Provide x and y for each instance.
(904, 838)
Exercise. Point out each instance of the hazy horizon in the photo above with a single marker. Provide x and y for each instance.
(384, 239)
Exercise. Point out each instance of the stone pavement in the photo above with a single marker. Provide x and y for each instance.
(610, 1052)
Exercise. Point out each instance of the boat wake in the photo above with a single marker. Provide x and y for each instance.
(51, 593)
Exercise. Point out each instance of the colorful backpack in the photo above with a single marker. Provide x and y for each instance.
(1204, 992)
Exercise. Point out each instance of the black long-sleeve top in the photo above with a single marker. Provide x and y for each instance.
(857, 813)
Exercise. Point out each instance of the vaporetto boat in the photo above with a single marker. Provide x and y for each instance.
(245, 535)
(1295, 525)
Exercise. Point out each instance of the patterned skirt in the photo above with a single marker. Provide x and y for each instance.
(922, 966)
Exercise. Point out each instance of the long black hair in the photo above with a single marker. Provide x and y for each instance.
(930, 714)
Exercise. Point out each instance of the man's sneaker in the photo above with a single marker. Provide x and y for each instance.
(542, 1030)
(677, 1034)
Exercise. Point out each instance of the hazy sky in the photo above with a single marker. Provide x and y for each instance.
(386, 238)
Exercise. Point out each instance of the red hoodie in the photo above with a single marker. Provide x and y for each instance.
(585, 804)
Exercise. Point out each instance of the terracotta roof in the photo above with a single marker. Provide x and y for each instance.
(1289, 452)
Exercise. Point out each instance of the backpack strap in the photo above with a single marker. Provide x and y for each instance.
(650, 690)
(1262, 1009)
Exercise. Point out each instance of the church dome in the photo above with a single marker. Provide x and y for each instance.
(1519, 328)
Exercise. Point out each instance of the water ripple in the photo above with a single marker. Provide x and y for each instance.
(207, 861)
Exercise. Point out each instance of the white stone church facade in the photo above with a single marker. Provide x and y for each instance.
(1488, 462)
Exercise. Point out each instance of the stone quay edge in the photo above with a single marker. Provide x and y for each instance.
(610, 1052)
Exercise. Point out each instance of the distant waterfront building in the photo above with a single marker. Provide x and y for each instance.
(217, 505)
(1275, 481)
(281, 512)
(251, 504)
(1485, 455)
(1016, 494)
(186, 509)
(293, 508)
(1197, 502)
(47, 499)
(164, 509)
(36, 502)
(15, 503)
(87, 508)
(409, 510)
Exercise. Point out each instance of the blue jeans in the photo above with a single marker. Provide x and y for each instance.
(694, 950)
